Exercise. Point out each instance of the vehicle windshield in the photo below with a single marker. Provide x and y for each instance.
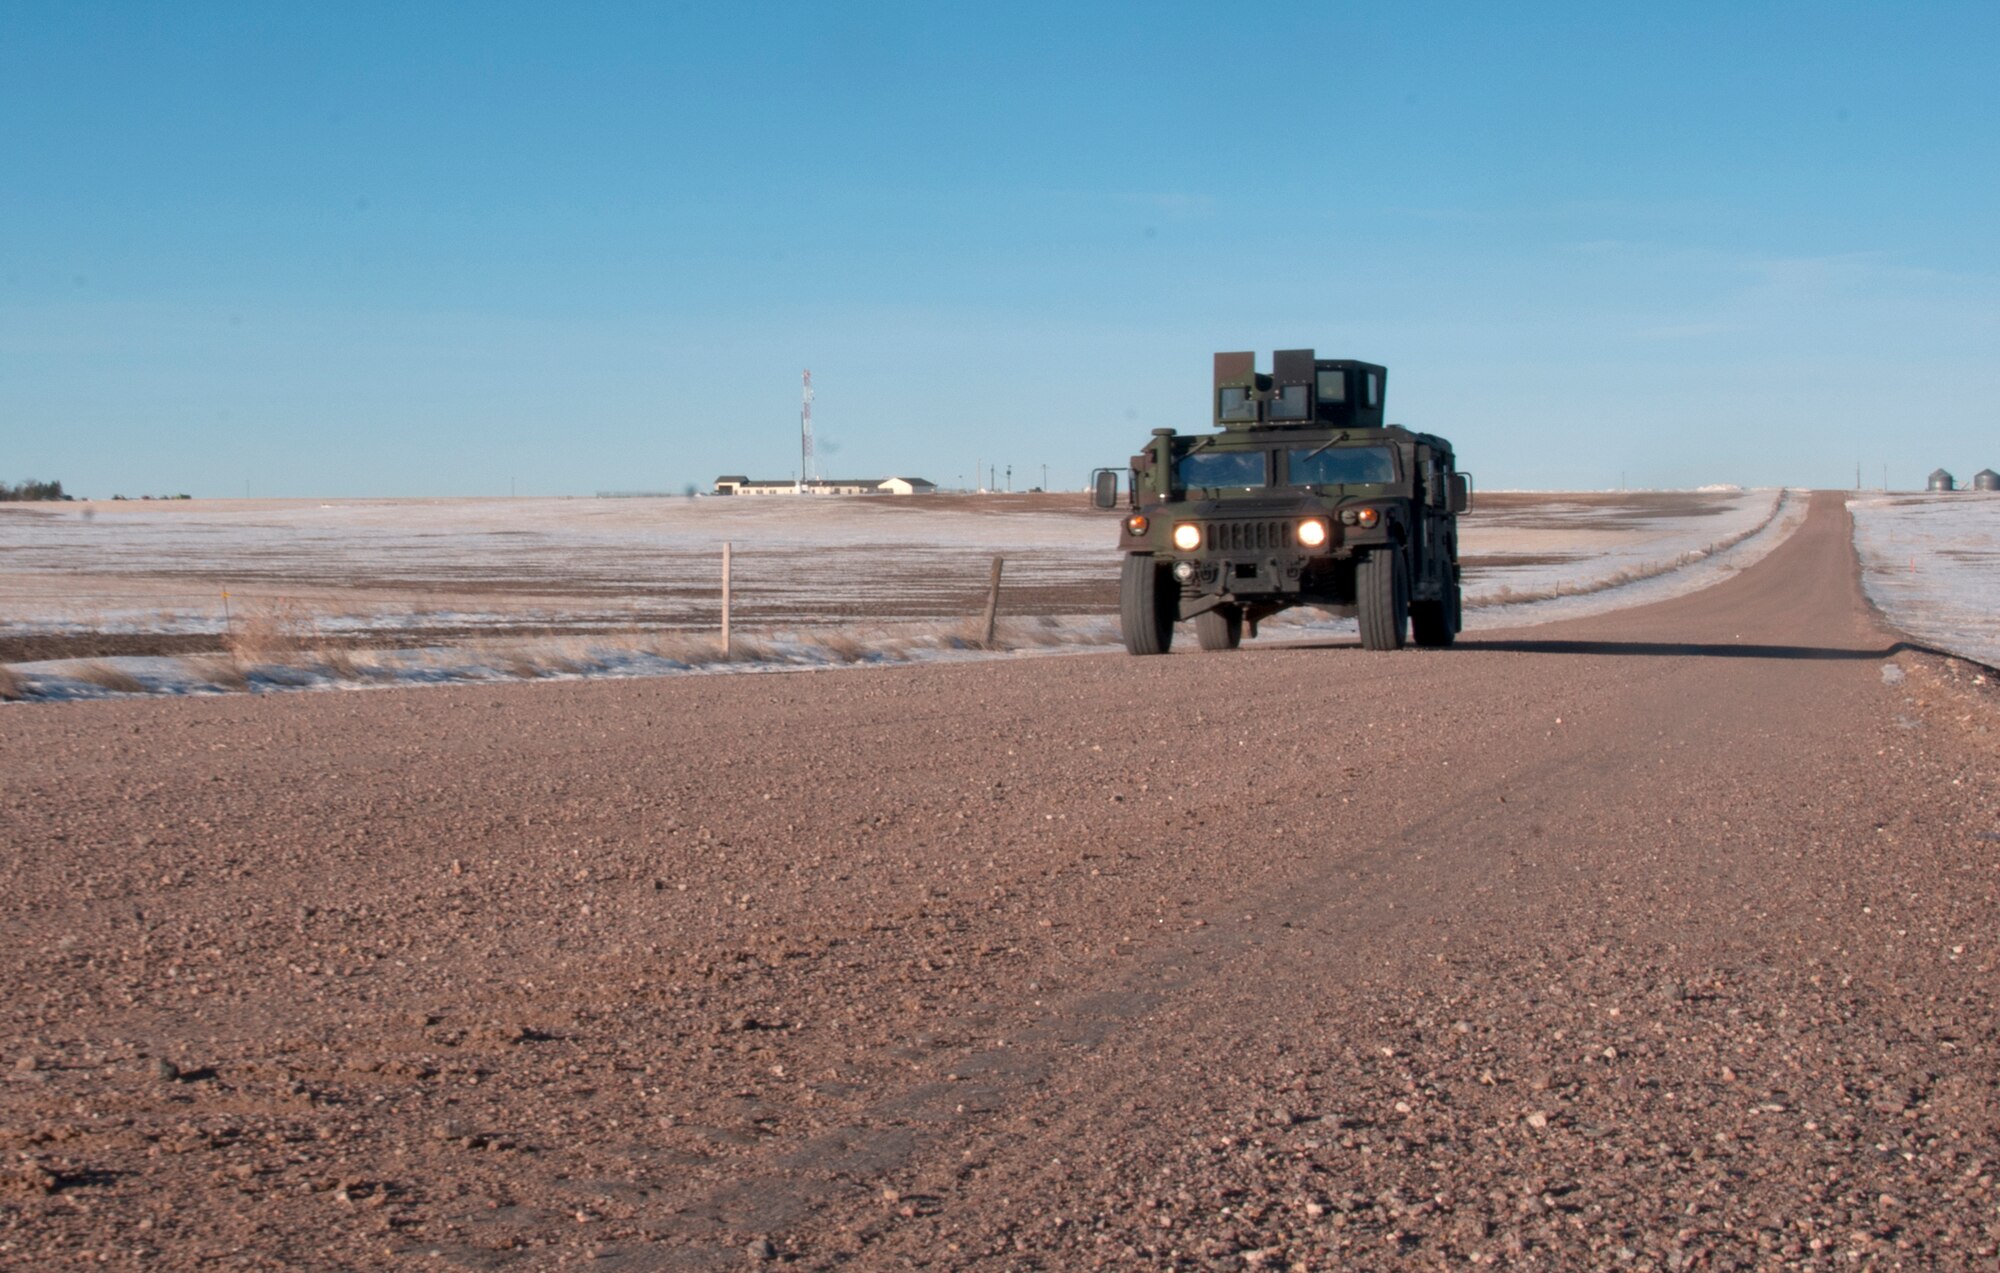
(1223, 468)
(1340, 465)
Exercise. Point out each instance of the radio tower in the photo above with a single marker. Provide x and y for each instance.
(806, 432)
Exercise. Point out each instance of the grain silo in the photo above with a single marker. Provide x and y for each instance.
(1942, 481)
(1986, 480)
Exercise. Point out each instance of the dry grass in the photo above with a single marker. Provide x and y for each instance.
(219, 670)
(843, 647)
(13, 686)
(340, 661)
(525, 659)
(692, 648)
(106, 677)
(289, 675)
(282, 645)
(1009, 633)
(1047, 630)
(564, 660)
(352, 662)
(278, 631)
(969, 633)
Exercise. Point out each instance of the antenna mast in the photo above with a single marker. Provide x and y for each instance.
(806, 432)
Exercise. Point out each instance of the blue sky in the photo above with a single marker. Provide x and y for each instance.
(356, 249)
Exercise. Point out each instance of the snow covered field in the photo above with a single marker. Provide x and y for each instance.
(502, 565)
(1931, 563)
(385, 591)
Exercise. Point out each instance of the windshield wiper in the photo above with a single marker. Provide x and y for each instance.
(1199, 443)
(1314, 453)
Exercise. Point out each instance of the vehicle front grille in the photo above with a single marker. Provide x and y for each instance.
(1245, 536)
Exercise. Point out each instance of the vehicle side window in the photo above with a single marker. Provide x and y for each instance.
(1288, 402)
(1235, 403)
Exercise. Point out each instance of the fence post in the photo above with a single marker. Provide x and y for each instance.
(993, 603)
(725, 598)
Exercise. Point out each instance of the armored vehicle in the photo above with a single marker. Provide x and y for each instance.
(1303, 497)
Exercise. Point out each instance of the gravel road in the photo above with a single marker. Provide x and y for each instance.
(1659, 940)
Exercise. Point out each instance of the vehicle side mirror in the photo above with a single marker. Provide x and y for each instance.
(1104, 488)
(1461, 492)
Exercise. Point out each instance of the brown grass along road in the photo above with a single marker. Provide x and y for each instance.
(1657, 940)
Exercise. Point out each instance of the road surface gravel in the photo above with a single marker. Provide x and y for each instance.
(1658, 940)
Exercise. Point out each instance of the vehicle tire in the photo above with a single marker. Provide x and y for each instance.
(1148, 603)
(1220, 628)
(1382, 598)
(1434, 624)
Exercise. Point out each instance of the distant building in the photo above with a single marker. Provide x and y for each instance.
(1941, 481)
(739, 485)
(1986, 480)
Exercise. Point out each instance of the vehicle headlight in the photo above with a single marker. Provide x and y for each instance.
(1187, 537)
(1368, 516)
(1184, 571)
(1312, 533)
(1136, 524)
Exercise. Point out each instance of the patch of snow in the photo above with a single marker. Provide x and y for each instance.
(1572, 551)
(1931, 564)
(549, 658)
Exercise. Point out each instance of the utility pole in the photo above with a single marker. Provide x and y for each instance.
(806, 432)
(1010, 479)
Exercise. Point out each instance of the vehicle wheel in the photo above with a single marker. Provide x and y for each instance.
(1148, 601)
(1435, 624)
(1382, 596)
(1220, 628)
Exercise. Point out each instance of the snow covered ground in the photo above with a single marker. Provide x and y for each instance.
(1931, 563)
(506, 564)
(360, 593)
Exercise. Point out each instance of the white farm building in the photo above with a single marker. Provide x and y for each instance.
(731, 485)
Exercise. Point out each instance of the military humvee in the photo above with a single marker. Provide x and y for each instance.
(1305, 497)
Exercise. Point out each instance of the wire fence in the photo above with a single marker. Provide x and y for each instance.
(764, 591)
